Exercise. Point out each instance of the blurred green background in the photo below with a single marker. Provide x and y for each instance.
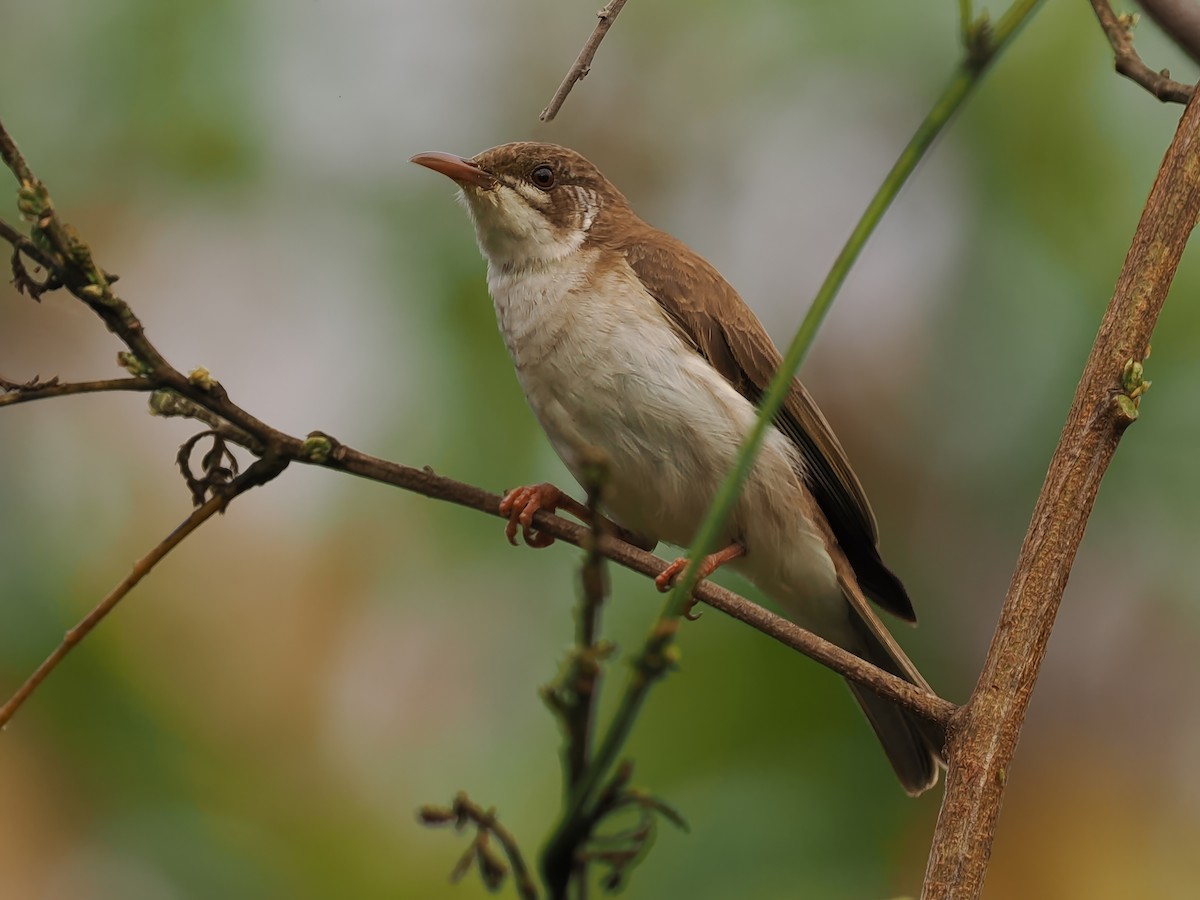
(263, 715)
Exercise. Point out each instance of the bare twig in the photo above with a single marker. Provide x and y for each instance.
(1118, 30)
(13, 392)
(261, 472)
(14, 160)
(583, 62)
(1179, 20)
(982, 746)
(465, 811)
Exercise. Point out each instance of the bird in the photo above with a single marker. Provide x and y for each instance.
(630, 347)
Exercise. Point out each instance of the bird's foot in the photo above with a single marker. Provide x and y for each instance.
(666, 578)
(520, 505)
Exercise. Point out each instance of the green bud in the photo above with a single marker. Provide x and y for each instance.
(1126, 407)
(317, 447)
(31, 201)
(1132, 376)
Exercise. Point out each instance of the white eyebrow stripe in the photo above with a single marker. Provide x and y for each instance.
(590, 207)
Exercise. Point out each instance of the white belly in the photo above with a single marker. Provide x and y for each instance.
(604, 371)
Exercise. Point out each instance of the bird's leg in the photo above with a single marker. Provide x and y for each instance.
(521, 503)
(708, 565)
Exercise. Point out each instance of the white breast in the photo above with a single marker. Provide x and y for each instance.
(604, 370)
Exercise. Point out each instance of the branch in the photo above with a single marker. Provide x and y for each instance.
(14, 160)
(1105, 403)
(1119, 31)
(571, 697)
(13, 393)
(260, 472)
(583, 62)
(464, 811)
(1179, 20)
(578, 689)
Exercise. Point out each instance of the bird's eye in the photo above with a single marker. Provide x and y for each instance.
(542, 177)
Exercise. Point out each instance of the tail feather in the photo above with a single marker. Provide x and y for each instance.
(913, 745)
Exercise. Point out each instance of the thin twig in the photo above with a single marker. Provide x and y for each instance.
(583, 671)
(463, 811)
(1119, 31)
(14, 393)
(583, 62)
(13, 159)
(24, 244)
(260, 472)
(1105, 403)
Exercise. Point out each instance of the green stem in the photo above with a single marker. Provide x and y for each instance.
(658, 654)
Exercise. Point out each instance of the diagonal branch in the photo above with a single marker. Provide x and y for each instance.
(583, 63)
(1105, 403)
(260, 472)
(1119, 31)
(12, 393)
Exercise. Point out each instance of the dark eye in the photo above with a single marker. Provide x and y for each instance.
(542, 177)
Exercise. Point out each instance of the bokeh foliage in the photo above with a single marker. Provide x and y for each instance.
(267, 711)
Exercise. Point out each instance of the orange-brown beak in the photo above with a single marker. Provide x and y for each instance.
(464, 171)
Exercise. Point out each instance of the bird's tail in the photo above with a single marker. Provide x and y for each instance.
(913, 745)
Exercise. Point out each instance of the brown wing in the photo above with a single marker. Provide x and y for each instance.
(737, 345)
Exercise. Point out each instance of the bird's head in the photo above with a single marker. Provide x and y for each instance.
(532, 203)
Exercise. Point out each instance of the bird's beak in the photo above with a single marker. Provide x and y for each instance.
(464, 171)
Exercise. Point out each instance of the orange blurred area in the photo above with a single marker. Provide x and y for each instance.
(265, 713)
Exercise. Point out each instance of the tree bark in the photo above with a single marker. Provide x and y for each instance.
(984, 734)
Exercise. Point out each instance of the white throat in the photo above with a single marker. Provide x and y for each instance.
(514, 233)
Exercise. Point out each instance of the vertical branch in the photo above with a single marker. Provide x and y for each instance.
(593, 576)
(572, 697)
(984, 738)
(583, 62)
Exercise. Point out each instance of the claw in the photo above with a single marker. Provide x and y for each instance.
(521, 504)
(666, 578)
